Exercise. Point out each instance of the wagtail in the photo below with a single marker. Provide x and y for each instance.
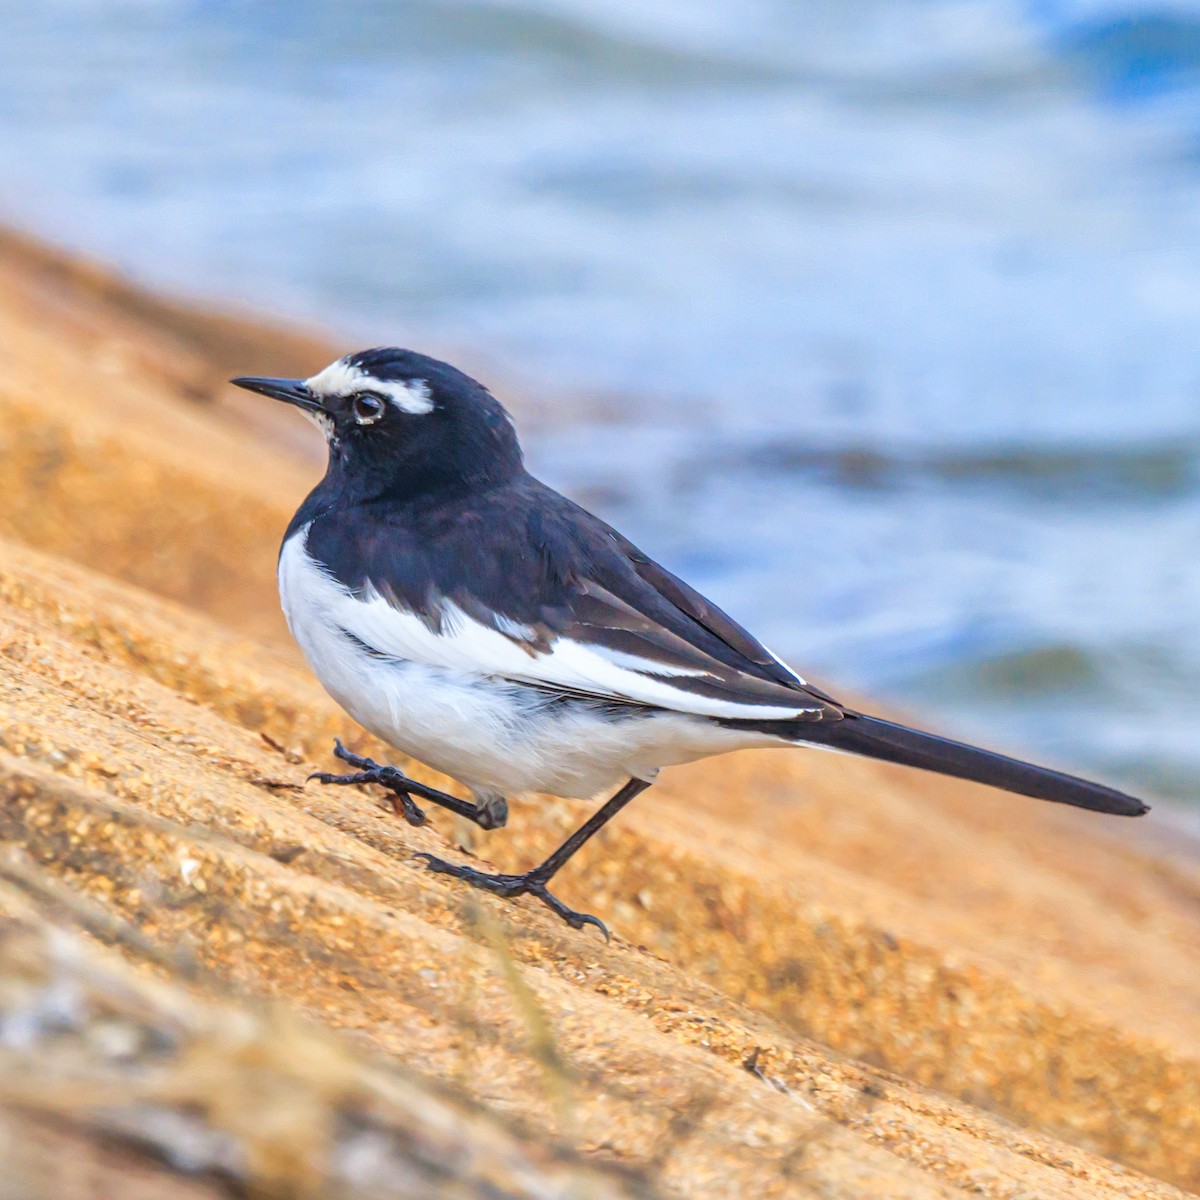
(477, 620)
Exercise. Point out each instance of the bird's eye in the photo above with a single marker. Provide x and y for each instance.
(366, 408)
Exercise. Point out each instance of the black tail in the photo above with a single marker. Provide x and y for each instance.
(873, 738)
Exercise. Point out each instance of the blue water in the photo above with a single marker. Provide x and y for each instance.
(878, 321)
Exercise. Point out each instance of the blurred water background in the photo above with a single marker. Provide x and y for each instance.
(877, 321)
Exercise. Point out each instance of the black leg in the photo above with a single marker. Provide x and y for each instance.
(533, 883)
(490, 816)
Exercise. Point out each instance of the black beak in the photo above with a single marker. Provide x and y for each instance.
(290, 391)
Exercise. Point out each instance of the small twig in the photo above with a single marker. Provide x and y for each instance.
(751, 1064)
(291, 755)
(275, 785)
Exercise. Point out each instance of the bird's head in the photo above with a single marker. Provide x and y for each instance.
(397, 421)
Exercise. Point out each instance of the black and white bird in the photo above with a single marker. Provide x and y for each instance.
(481, 622)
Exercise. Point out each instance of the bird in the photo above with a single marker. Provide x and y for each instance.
(482, 623)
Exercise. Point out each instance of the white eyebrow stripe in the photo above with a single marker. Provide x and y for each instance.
(344, 378)
(412, 397)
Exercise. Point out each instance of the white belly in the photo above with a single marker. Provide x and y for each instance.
(494, 736)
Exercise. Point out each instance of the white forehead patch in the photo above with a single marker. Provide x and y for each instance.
(338, 379)
(343, 378)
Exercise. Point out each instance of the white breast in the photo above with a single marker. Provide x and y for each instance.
(492, 734)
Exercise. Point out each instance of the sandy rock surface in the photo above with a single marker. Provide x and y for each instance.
(827, 977)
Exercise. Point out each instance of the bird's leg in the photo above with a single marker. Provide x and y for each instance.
(490, 815)
(533, 882)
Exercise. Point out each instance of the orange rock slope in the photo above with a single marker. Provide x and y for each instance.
(827, 977)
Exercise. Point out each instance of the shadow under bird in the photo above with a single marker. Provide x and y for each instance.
(479, 621)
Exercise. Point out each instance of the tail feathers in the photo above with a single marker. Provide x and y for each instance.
(872, 738)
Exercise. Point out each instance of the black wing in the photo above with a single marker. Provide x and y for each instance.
(550, 577)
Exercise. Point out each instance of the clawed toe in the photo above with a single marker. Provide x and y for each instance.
(402, 803)
(577, 920)
(500, 885)
(404, 806)
(508, 886)
(355, 760)
(330, 777)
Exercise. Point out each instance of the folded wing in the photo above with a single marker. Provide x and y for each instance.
(562, 602)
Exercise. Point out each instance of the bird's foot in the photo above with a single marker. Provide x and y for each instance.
(491, 813)
(530, 884)
(371, 772)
